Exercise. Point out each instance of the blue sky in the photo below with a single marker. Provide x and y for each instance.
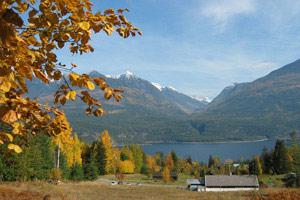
(198, 46)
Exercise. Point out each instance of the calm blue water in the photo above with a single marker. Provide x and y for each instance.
(202, 151)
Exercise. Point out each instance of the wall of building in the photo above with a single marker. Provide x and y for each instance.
(229, 189)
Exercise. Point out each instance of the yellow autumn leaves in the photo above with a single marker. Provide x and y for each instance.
(29, 43)
(84, 25)
(85, 81)
(14, 147)
(70, 145)
(71, 95)
(9, 138)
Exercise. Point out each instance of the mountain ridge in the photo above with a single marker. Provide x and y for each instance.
(267, 107)
(144, 114)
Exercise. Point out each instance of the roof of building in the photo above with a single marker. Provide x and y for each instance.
(231, 181)
(193, 182)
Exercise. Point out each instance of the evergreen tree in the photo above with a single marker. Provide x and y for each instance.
(76, 172)
(255, 166)
(266, 158)
(144, 169)
(89, 163)
(213, 161)
(65, 170)
(159, 157)
(210, 161)
(202, 172)
(280, 158)
(104, 151)
(189, 160)
(91, 170)
(126, 153)
(294, 153)
(99, 153)
(11, 168)
(34, 162)
(175, 160)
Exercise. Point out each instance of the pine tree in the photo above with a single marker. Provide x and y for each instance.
(76, 172)
(294, 153)
(11, 165)
(91, 170)
(210, 161)
(280, 158)
(34, 162)
(104, 153)
(126, 153)
(89, 162)
(159, 157)
(64, 168)
(266, 158)
(175, 160)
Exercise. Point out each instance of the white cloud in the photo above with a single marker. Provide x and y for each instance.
(222, 11)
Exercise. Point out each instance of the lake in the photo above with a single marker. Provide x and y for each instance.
(202, 151)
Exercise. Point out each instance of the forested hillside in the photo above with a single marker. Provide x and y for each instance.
(268, 107)
(265, 108)
(145, 113)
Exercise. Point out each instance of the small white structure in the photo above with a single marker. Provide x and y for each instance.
(223, 183)
(195, 185)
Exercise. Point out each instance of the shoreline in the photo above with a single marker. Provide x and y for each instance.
(221, 142)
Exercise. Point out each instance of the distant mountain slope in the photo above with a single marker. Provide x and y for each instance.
(145, 114)
(267, 107)
(184, 102)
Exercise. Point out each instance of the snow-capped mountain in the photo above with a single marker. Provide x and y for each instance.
(157, 85)
(161, 88)
(201, 98)
(148, 111)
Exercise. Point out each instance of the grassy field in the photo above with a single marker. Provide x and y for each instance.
(143, 179)
(99, 191)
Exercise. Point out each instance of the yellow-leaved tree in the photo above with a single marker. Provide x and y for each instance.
(169, 162)
(151, 164)
(108, 154)
(127, 167)
(166, 175)
(72, 150)
(64, 140)
(116, 160)
(31, 32)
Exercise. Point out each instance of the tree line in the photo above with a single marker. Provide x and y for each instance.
(67, 157)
